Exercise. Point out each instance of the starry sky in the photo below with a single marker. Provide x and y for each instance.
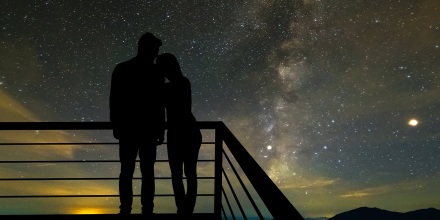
(320, 92)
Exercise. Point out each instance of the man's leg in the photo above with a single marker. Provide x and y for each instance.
(127, 156)
(147, 155)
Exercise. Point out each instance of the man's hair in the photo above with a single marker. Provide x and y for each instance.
(148, 40)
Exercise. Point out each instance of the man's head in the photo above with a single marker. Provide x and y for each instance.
(148, 46)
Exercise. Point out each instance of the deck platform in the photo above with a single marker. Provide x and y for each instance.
(161, 216)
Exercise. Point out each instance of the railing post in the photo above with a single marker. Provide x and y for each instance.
(276, 202)
(218, 172)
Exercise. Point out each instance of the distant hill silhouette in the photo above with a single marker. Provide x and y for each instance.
(366, 213)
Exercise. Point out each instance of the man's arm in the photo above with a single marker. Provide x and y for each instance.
(114, 101)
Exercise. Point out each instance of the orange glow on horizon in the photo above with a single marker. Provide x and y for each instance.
(88, 211)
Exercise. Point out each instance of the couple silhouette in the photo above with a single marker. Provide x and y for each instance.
(141, 103)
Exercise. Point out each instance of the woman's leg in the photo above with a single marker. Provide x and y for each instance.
(176, 167)
(190, 167)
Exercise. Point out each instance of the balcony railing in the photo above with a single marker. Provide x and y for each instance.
(241, 188)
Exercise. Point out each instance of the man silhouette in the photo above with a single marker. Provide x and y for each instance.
(138, 117)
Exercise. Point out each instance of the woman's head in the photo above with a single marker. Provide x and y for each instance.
(170, 65)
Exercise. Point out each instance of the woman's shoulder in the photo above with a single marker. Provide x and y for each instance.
(185, 80)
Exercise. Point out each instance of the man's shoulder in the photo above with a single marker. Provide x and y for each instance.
(126, 62)
(124, 66)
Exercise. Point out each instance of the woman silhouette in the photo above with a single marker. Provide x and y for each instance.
(183, 136)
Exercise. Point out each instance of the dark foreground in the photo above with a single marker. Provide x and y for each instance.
(204, 216)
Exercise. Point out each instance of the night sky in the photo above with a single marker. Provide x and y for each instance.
(320, 92)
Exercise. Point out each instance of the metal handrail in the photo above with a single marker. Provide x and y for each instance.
(254, 205)
(234, 194)
(274, 200)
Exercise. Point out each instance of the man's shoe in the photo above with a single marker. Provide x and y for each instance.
(148, 216)
(124, 212)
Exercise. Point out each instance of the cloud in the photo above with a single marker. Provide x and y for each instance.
(11, 110)
(383, 189)
(367, 192)
(306, 183)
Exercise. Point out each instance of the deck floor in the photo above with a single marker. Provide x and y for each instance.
(197, 216)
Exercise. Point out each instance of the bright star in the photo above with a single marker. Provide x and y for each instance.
(413, 122)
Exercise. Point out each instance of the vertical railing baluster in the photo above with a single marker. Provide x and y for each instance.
(218, 172)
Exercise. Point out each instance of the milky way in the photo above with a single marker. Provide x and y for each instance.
(320, 92)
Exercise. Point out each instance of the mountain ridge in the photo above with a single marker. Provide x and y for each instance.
(368, 213)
